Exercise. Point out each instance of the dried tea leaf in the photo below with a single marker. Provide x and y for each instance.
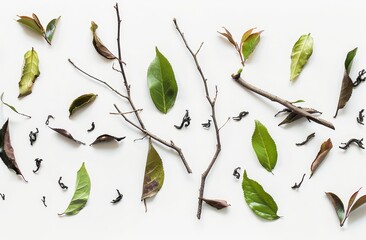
(31, 24)
(347, 84)
(51, 28)
(337, 204)
(30, 73)
(81, 101)
(161, 82)
(154, 174)
(81, 194)
(106, 138)
(261, 203)
(66, 134)
(7, 151)
(301, 52)
(98, 45)
(216, 203)
(264, 147)
(358, 203)
(250, 43)
(324, 150)
(13, 108)
(229, 37)
(292, 117)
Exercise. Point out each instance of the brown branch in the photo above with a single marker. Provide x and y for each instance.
(212, 102)
(281, 101)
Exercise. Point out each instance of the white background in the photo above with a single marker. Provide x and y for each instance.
(336, 26)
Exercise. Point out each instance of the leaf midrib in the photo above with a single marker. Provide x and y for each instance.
(301, 52)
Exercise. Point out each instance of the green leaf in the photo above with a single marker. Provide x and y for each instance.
(264, 147)
(301, 52)
(250, 43)
(323, 152)
(30, 73)
(51, 28)
(338, 205)
(98, 45)
(347, 84)
(13, 108)
(81, 194)
(261, 203)
(31, 24)
(161, 82)
(7, 151)
(81, 101)
(154, 174)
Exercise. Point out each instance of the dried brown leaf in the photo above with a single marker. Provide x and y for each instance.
(66, 134)
(216, 203)
(98, 45)
(324, 150)
(106, 138)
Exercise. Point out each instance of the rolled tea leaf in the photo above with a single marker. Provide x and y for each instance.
(301, 52)
(13, 108)
(66, 134)
(323, 152)
(51, 28)
(30, 73)
(216, 203)
(81, 101)
(98, 45)
(106, 138)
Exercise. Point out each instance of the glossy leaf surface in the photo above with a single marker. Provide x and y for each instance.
(30, 73)
(301, 52)
(323, 152)
(51, 28)
(337, 204)
(81, 101)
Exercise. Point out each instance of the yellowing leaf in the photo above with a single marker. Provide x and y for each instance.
(250, 43)
(301, 52)
(30, 73)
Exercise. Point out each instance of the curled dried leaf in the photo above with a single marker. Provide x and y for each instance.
(98, 45)
(106, 138)
(30, 73)
(81, 101)
(216, 203)
(66, 134)
(229, 37)
(323, 152)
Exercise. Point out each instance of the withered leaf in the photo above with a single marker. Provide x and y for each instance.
(229, 37)
(81, 101)
(7, 151)
(98, 45)
(337, 204)
(216, 203)
(30, 73)
(66, 134)
(347, 84)
(106, 138)
(292, 117)
(13, 108)
(324, 150)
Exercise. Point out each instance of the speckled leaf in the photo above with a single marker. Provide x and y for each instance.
(301, 52)
(106, 138)
(323, 152)
(347, 84)
(31, 24)
(337, 204)
(154, 174)
(216, 203)
(250, 43)
(264, 147)
(161, 82)
(261, 203)
(30, 73)
(66, 134)
(7, 151)
(98, 45)
(51, 28)
(81, 101)
(82, 192)
(13, 108)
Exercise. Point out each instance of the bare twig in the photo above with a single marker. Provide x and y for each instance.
(133, 111)
(212, 102)
(281, 101)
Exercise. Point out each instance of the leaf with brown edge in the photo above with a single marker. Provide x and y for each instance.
(246, 35)
(7, 151)
(98, 45)
(358, 203)
(106, 138)
(229, 37)
(324, 150)
(250, 43)
(216, 203)
(66, 134)
(338, 205)
(38, 22)
(347, 84)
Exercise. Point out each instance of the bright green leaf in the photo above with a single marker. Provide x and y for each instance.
(31, 24)
(30, 73)
(301, 52)
(161, 82)
(81, 194)
(261, 203)
(51, 28)
(349, 59)
(250, 44)
(264, 147)
(81, 101)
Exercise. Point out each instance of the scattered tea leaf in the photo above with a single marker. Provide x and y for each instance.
(31, 24)
(51, 28)
(264, 146)
(229, 37)
(81, 101)
(358, 142)
(30, 73)
(66, 134)
(347, 84)
(216, 203)
(98, 45)
(261, 203)
(81, 194)
(308, 138)
(161, 81)
(323, 152)
(337, 204)
(292, 117)
(13, 108)
(300, 55)
(7, 151)
(106, 138)
(298, 185)
(250, 43)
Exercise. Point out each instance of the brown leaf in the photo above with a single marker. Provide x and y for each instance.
(324, 150)
(292, 117)
(229, 37)
(106, 138)
(338, 206)
(216, 203)
(358, 203)
(36, 20)
(350, 203)
(7, 151)
(98, 45)
(65, 133)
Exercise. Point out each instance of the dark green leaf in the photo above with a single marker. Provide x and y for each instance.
(31, 24)
(30, 73)
(261, 203)
(301, 52)
(250, 43)
(98, 45)
(66, 134)
(13, 108)
(81, 194)
(51, 28)
(216, 203)
(7, 151)
(323, 152)
(161, 82)
(81, 101)
(347, 84)
(338, 205)
(264, 147)
(106, 138)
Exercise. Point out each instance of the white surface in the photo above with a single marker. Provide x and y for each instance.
(336, 26)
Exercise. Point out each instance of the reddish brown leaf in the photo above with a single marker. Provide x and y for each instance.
(216, 203)
(106, 138)
(338, 206)
(324, 150)
(229, 37)
(66, 134)
(98, 45)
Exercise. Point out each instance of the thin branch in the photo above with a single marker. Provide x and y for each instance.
(112, 113)
(213, 115)
(281, 101)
